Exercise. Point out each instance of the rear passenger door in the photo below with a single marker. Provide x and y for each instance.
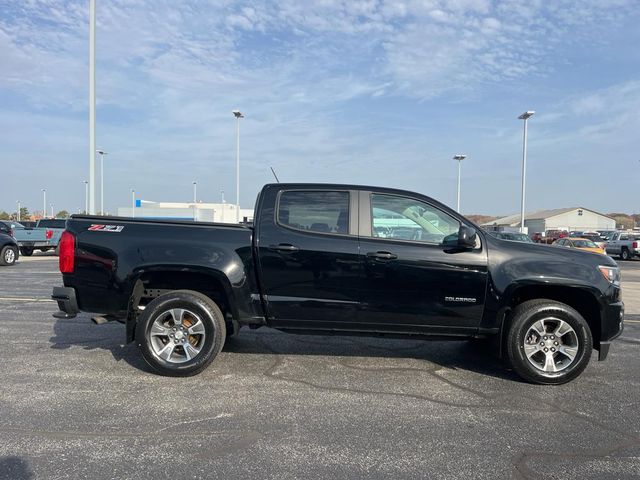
(309, 257)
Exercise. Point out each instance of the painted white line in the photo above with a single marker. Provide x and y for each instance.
(25, 299)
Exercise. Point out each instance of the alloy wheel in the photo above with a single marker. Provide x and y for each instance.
(551, 345)
(177, 335)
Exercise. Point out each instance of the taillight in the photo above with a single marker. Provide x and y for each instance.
(11, 233)
(67, 249)
(49, 234)
(634, 245)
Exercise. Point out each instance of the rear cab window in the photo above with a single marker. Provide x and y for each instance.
(321, 211)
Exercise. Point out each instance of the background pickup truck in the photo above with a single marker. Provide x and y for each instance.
(44, 236)
(624, 244)
(340, 259)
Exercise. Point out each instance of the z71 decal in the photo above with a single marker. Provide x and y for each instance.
(106, 228)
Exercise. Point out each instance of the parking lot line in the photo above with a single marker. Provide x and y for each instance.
(25, 299)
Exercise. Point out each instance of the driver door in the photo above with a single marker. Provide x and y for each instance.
(412, 281)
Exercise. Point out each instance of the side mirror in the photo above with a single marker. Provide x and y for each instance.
(467, 237)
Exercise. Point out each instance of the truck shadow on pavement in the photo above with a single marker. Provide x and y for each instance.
(15, 468)
(453, 355)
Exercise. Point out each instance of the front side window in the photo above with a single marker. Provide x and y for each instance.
(409, 219)
(318, 211)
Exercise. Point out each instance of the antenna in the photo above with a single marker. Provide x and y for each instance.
(274, 174)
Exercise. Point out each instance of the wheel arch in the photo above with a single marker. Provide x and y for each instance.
(581, 299)
(152, 282)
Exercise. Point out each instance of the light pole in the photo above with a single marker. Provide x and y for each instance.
(51, 205)
(238, 114)
(44, 203)
(222, 193)
(195, 199)
(86, 197)
(92, 105)
(459, 158)
(525, 116)
(18, 212)
(102, 153)
(133, 203)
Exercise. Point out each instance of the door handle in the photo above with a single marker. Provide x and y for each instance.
(284, 247)
(382, 255)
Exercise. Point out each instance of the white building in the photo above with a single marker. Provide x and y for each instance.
(201, 212)
(574, 218)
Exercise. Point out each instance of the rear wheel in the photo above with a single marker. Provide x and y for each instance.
(624, 254)
(548, 342)
(8, 255)
(180, 333)
(26, 251)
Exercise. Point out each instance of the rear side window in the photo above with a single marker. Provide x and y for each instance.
(317, 211)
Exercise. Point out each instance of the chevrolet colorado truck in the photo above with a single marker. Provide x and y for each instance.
(340, 259)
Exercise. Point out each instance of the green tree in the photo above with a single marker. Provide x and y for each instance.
(4, 215)
(62, 214)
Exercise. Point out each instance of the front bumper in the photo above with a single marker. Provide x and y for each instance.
(67, 302)
(611, 328)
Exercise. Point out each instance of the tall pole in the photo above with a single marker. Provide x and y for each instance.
(525, 116)
(459, 158)
(102, 153)
(44, 203)
(238, 114)
(92, 106)
(195, 199)
(18, 212)
(51, 205)
(86, 197)
(133, 203)
(222, 193)
(459, 174)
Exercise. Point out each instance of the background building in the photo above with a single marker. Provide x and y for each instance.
(202, 212)
(574, 218)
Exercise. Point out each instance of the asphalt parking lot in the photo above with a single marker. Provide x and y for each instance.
(77, 403)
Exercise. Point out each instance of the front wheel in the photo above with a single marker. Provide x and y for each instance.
(180, 333)
(548, 342)
(8, 255)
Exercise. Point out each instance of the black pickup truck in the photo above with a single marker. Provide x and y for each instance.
(340, 259)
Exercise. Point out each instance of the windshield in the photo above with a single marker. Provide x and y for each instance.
(584, 244)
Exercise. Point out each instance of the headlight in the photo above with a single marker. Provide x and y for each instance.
(612, 274)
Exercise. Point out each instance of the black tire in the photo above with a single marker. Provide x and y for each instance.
(213, 338)
(523, 319)
(9, 255)
(26, 251)
(624, 254)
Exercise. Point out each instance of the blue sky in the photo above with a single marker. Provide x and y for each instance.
(373, 92)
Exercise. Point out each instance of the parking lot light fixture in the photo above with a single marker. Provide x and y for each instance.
(459, 158)
(238, 114)
(133, 203)
(51, 205)
(102, 153)
(18, 211)
(44, 203)
(525, 116)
